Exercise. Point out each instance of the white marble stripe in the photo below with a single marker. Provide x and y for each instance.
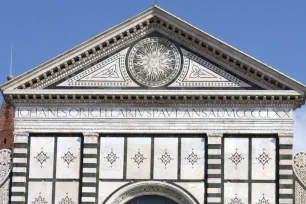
(285, 201)
(89, 179)
(286, 140)
(19, 179)
(285, 181)
(20, 160)
(20, 169)
(286, 191)
(214, 171)
(285, 172)
(90, 140)
(90, 151)
(18, 198)
(214, 161)
(21, 150)
(285, 162)
(21, 139)
(213, 200)
(90, 160)
(214, 140)
(285, 151)
(18, 189)
(214, 180)
(88, 199)
(214, 151)
(89, 170)
(213, 190)
(88, 189)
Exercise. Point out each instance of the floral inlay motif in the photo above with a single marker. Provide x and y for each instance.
(42, 157)
(68, 157)
(139, 158)
(299, 164)
(66, 200)
(263, 158)
(165, 159)
(154, 62)
(111, 157)
(236, 158)
(39, 200)
(192, 158)
(263, 200)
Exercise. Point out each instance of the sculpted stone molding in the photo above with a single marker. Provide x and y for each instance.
(150, 188)
(154, 62)
(215, 134)
(299, 166)
(91, 134)
(285, 134)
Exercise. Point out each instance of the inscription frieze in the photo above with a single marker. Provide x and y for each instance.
(153, 113)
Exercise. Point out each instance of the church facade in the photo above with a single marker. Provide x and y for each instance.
(153, 110)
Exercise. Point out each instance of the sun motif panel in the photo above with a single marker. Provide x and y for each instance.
(41, 157)
(236, 193)
(165, 158)
(138, 158)
(111, 157)
(40, 192)
(67, 193)
(68, 157)
(192, 158)
(263, 193)
(263, 158)
(236, 158)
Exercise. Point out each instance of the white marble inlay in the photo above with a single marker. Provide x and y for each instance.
(263, 193)
(236, 158)
(165, 158)
(106, 188)
(41, 157)
(67, 192)
(197, 189)
(111, 157)
(236, 193)
(263, 158)
(192, 158)
(68, 157)
(40, 192)
(138, 158)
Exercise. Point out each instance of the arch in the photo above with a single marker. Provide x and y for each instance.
(158, 188)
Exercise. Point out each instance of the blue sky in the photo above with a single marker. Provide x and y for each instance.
(271, 31)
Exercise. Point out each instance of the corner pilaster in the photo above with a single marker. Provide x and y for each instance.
(214, 174)
(20, 167)
(90, 168)
(285, 168)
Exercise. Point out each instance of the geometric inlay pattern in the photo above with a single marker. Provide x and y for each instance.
(263, 200)
(5, 164)
(299, 166)
(111, 157)
(192, 158)
(236, 200)
(165, 159)
(236, 158)
(154, 62)
(66, 200)
(263, 158)
(41, 157)
(68, 157)
(300, 194)
(39, 200)
(138, 158)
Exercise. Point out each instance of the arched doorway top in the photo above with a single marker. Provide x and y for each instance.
(143, 188)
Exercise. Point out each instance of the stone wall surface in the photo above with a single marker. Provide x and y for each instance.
(6, 126)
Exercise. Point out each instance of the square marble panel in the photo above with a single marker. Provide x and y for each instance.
(236, 158)
(67, 192)
(192, 158)
(263, 158)
(68, 157)
(111, 157)
(197, 189)
(107, 188)
(40, 192)
(263, 193)
(235, 193)
(41, 157)
(165, 158)
(138, 158)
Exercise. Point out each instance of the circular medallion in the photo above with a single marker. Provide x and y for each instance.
(154, 62)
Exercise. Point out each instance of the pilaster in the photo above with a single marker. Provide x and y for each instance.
(214, 174)
(20, 170)
(90, 168)
(285, 168)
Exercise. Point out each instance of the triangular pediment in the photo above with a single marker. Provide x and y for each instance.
(124, 57)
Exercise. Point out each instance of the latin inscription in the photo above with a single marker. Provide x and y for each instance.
(97, 112)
